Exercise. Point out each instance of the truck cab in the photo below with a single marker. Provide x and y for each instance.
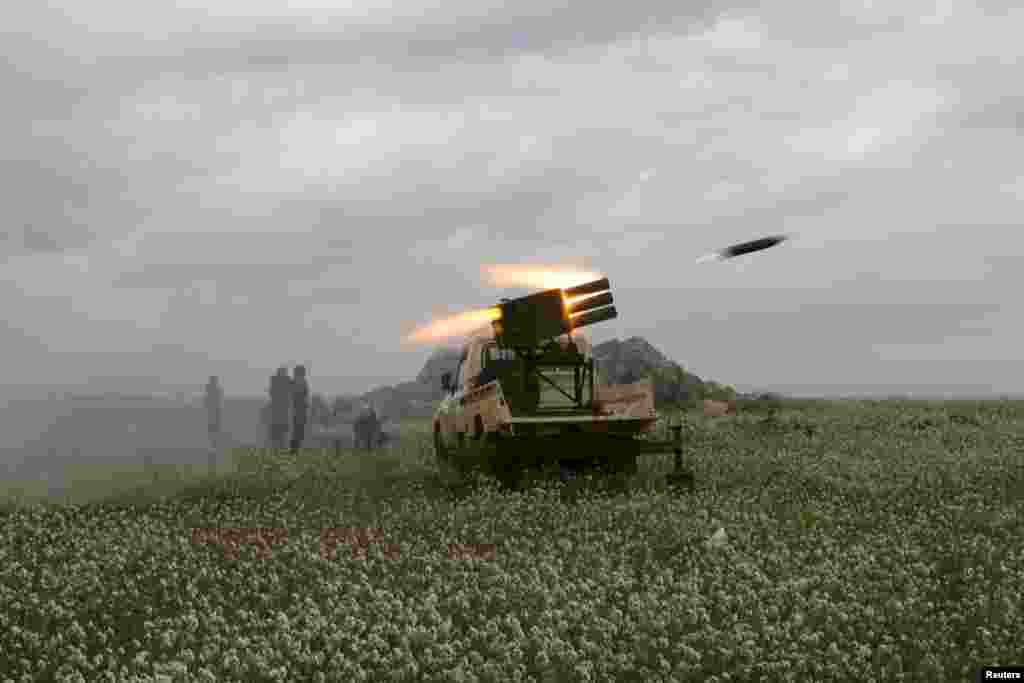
(473, 402)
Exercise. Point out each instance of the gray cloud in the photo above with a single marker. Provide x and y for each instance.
(456, 30)
(39, 207)
(1005, 113)
(225, 176)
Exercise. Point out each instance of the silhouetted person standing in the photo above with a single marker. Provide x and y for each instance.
(359, 427)
(280, 407)
(300, 407)
(213, 400)
(373, 426)
(367, 428)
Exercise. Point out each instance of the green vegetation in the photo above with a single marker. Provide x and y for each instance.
(860, 541)
(674, 386)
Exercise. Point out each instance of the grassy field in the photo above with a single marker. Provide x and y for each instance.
(832, 542)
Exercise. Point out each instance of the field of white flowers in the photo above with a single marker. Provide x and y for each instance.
(840, 542)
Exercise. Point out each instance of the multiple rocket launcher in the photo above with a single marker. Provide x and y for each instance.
(523, 325)
(528, 320)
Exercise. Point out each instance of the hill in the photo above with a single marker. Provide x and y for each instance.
(617, 361)
(621, 362)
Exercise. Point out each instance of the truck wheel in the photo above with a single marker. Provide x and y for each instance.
(449, 472)
(508, 474)
(440, 452)
(623, 474)
(629, 466)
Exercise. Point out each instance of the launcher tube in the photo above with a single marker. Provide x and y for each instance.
(588, 288)
(594, 316)
(590, 303)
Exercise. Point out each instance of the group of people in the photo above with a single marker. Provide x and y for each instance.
(287, 413)
(289, 408)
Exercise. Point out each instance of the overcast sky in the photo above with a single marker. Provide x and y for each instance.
(218, 186)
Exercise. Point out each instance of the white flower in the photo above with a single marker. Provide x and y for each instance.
(719, 539)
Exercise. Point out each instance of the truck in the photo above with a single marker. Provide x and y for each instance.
(526, 397)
